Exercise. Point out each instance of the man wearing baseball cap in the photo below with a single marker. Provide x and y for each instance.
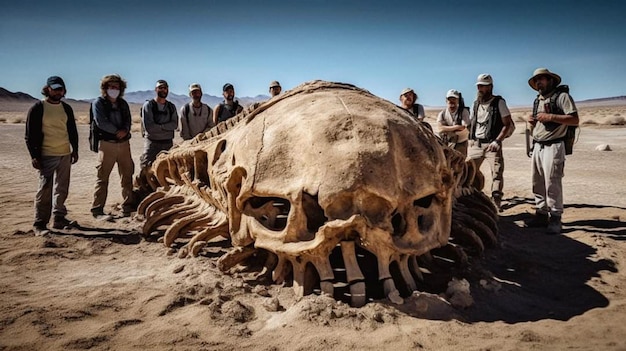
(453, 122)
(275, 88)
(491, 123)
(229, 107)
(195, 117)
(554, 112)
(52, 141)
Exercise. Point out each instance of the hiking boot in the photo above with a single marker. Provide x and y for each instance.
(554, 226)
(60, 222)
(101, 216)
(539, 220)
(40, 229)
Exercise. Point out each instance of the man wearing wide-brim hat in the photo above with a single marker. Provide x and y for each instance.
(553, 111)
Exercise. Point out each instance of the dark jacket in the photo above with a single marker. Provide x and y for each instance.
(34, 133)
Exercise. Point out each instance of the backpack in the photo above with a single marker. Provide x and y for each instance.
(494, 120)
(155, 110)
(570, 136)
(231, 111)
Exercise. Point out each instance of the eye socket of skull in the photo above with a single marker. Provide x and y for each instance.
(425, 217)
(271, 212)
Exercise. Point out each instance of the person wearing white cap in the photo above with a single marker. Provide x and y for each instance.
(407, 100)
(195, 117)
(453, 122)
(554, 114)
(490, 124)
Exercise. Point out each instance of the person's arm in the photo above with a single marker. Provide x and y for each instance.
(34, 135)
(569, 116)
(100, 118)
(184, 128)
(72, 132)
(216, 114)
(507, 126)
(172, 124)
(421, 115)
(150, 126)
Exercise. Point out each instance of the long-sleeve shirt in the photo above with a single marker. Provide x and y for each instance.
(162, 125)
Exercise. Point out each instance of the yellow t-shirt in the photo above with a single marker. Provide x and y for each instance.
(56, 141)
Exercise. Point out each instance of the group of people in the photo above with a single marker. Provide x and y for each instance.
(478, 133)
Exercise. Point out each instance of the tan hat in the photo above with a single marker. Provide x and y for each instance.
(484, 79)
(274, 84)
(453, 93)
(543, 72)
(195, 86)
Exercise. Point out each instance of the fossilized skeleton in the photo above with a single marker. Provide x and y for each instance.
(328, 179)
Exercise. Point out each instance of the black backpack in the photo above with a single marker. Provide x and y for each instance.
(570, 135)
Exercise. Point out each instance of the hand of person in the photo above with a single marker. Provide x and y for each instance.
(545, 117)
(36, 163)
(120, 134)
(494, 146)
(460, 128)
(74, 157)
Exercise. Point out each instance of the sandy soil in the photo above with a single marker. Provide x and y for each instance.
(103, 287)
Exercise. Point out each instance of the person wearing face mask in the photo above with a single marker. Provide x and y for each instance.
(112, 122)
(52, 141)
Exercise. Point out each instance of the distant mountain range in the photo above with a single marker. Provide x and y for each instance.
(137, 97)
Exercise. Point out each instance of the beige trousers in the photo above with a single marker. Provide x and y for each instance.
(110, 153)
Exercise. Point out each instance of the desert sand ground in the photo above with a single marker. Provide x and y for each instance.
(103, 287)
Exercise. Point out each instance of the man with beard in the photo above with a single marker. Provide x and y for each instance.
(453, 121)
(111, 124)
(554, 110)
(159, 120)
(491, 123)
(407, 101)
(229, 108)
(195, 117)
(52, 141)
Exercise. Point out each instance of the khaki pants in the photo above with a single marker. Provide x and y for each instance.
(548, 163)
(54, 183)
(478, 153)
(110, 153)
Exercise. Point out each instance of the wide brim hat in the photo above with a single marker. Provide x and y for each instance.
(408, 90)
(543, 72)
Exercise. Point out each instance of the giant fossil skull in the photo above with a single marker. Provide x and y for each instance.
(323, 168)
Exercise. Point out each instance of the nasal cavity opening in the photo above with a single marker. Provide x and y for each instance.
(271, 212)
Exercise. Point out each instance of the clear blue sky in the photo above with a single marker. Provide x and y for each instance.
(382, 46)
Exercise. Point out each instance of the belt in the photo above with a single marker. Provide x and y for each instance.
(116, 141)
(549, 142)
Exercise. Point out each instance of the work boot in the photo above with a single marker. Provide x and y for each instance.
(554, 226)
(40, 229)
(98, 213)
(60, 222)
(539, 220)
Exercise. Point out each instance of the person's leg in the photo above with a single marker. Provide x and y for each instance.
(43, 197)
(554, 194)
(126, 168)
(107, 154)
(62, 175)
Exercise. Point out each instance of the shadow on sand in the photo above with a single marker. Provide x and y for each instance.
(118, 236)
(543, 276)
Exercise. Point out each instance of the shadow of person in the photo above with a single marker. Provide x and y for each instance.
(534, 276)
(119, 236)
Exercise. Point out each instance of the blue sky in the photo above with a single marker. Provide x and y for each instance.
(382, 46)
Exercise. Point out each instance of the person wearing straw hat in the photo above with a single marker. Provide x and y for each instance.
(195, 117)
(491, 123)
(453, 122)
(554, 110)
